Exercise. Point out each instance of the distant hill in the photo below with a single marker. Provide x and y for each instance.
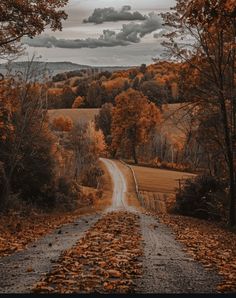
(54, 68)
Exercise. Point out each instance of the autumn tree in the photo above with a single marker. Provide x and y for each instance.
(67, 97)
(88, 145)
(95, 95)
(26, 143)
(211, 59)
(154, 92)
(77, 102)
(133, 118)
(62, 123)
(103, 121)
(27, 18)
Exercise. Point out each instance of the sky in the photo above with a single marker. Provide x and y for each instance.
(127, 35)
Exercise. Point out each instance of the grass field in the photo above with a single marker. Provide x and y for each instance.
(78, 116)
(158, 180)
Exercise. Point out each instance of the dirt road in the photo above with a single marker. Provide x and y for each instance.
(120, 188)
(21, 270)
(166, 267)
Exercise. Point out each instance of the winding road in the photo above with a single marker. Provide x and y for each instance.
(167, 268)
(120, 187)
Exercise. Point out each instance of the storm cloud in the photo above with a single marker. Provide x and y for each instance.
(130, 33)
(109, 14)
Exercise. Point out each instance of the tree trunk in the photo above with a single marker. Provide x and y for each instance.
(134, 154)
(230, 164)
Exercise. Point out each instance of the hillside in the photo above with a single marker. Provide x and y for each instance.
(56, 67)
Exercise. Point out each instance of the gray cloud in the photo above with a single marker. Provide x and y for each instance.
(130, 33)
(109, 14)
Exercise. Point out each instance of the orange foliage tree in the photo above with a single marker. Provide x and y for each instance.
(62, 123)
(27, 18)
(211, 60)
(77, 102)
(133, 119)
(26, 142)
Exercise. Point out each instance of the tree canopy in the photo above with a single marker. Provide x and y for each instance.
(20, 18)
(134, 117)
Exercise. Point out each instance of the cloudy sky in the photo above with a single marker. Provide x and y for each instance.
(124, 34)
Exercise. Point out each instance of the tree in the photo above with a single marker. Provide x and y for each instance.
(27, 144)
(77, 102)
(136, 82)
(95, 95)
(133, 118)
(143, 68)
(154, 92)
(87, 145)
(211, 59)
(103, 121)
(67, 97)
(27, 18)
(62, 123)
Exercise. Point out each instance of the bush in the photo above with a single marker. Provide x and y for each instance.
(63, 195)
(62, 123)
(202, 197)
(90, 177)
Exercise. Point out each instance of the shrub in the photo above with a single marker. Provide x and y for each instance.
(63, 195)
(77, 102)
(202, 197)
(90, 177)
(62, 123)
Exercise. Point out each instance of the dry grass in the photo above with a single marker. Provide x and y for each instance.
(158, 180)
(106, 185)
(78, 116)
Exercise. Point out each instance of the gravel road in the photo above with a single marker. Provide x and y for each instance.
(166, 267)
(21, 270)
(120, 187)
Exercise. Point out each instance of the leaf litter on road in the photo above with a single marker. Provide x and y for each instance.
(105, 260)
(17, 231)
(208, 243)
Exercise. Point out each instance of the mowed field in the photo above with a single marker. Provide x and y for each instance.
(78, 116)
(158, 180)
